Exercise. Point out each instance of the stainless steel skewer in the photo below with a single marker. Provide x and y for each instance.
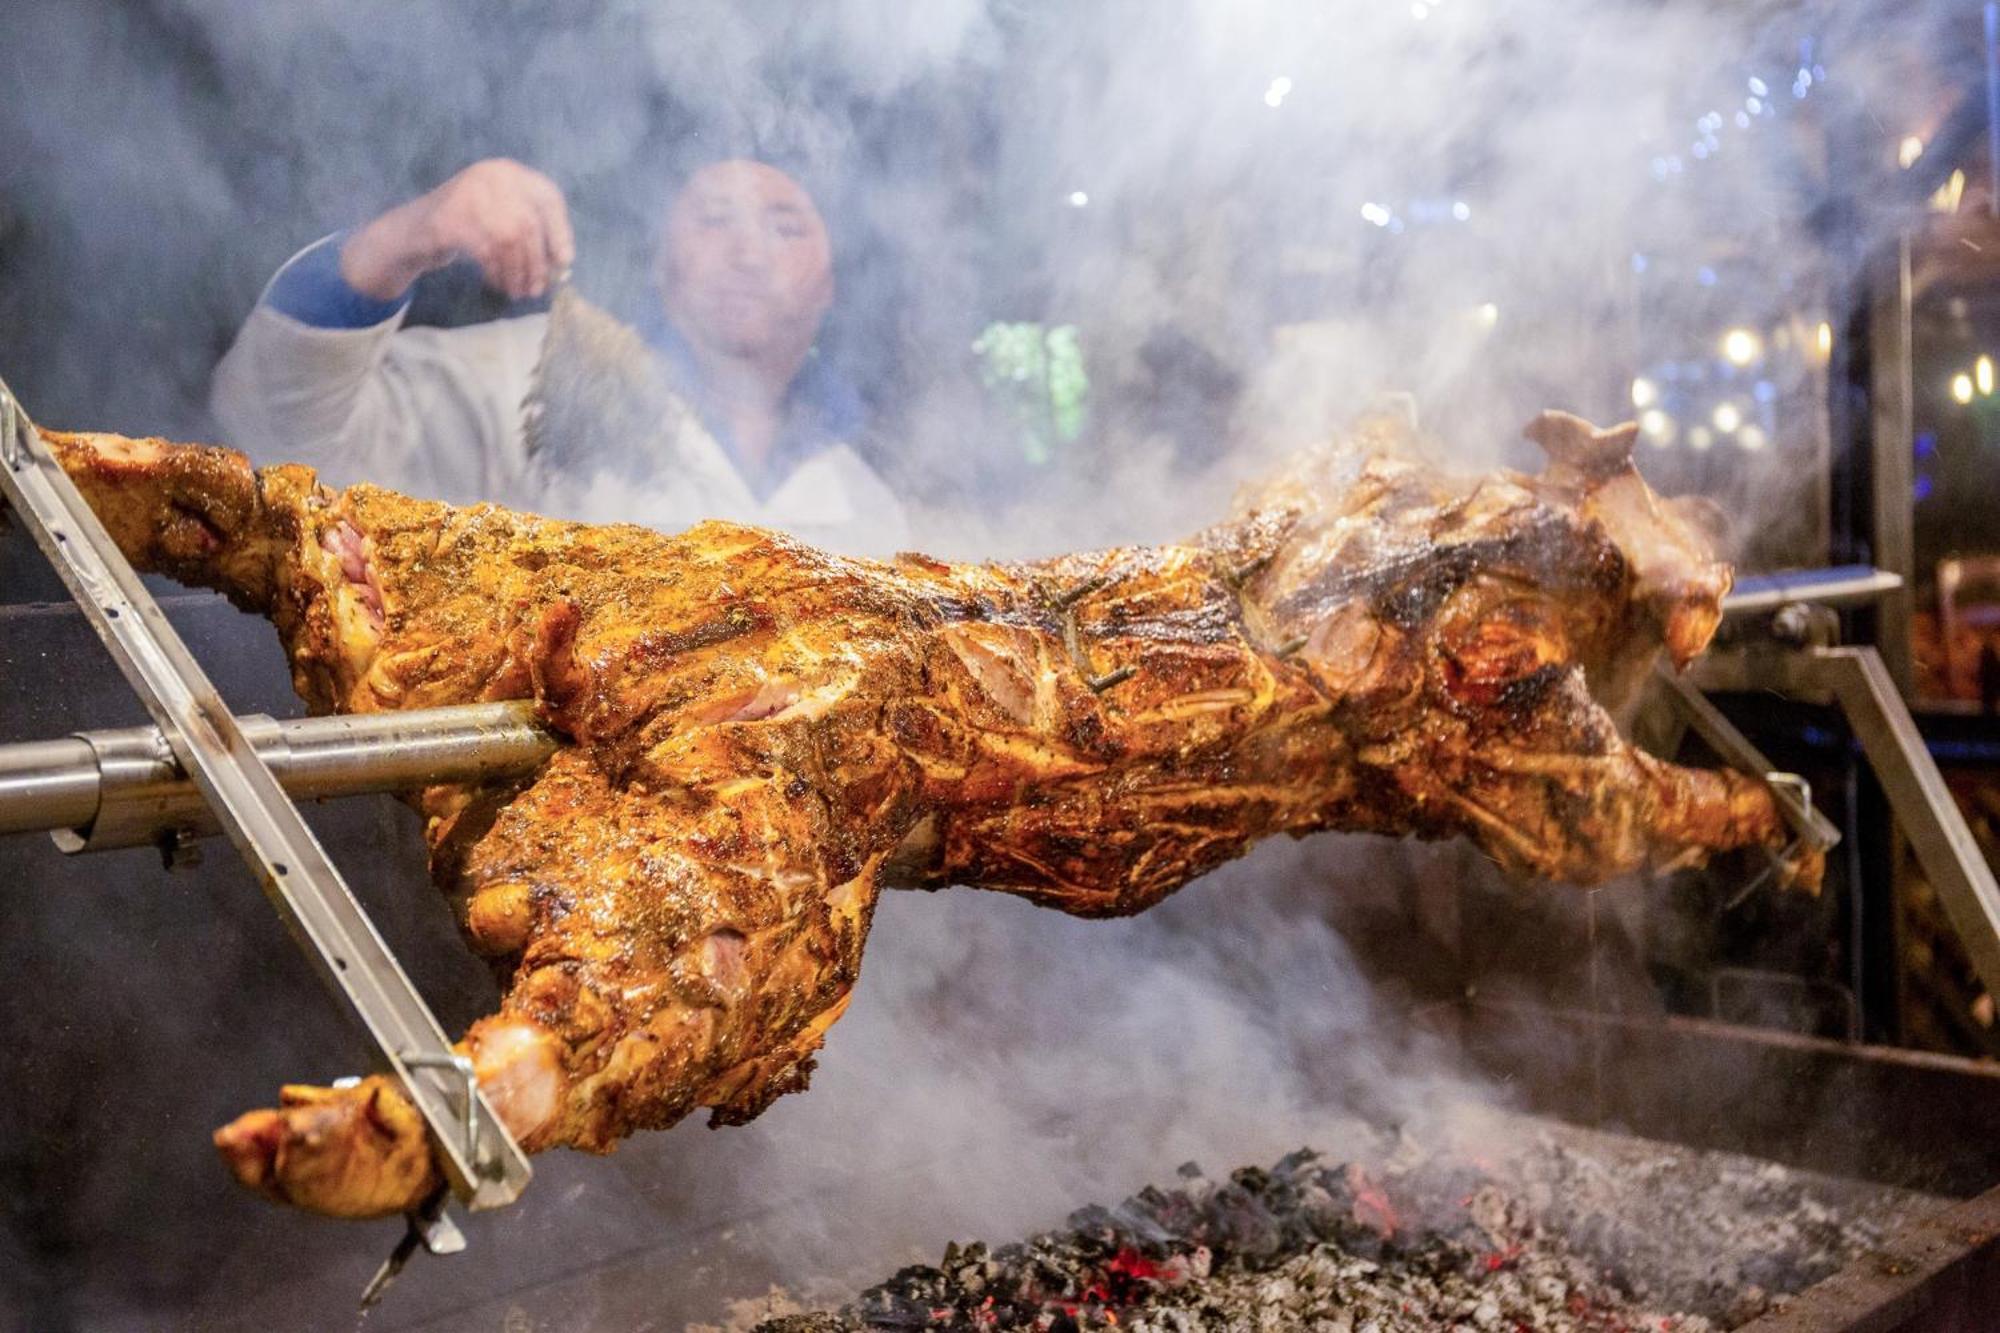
(99, 790)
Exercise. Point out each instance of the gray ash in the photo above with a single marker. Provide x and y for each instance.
(1305, 1244)
(1572, 1232)
(1718, 1233)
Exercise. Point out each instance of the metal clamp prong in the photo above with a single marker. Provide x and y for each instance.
(1116, 676)
(429, 1224)
(1238, 575)
(1803, 835)
(10, 429)
(1774, 863)
(1071, 596)
(1811, 831)
(468, 1089)
(1793, 780)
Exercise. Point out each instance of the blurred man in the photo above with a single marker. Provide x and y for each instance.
(759, 429)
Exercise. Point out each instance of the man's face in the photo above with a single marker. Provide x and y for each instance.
(747, 269)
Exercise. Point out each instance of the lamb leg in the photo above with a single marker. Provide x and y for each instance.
(199, 515)
(667, 952)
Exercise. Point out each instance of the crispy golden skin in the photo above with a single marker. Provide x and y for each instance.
(346, 1152)
(762, 737)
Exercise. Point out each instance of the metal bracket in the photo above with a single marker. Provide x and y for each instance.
(1789, 791)
(1858, 681)
(12, 423)
(1944, 844)
(481, 1161)
(429, 1225)
(1066, 602)
(468, 1091)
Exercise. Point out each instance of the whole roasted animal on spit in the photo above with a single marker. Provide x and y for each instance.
(761, 737)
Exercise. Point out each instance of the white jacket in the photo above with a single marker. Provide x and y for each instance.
(437, 413)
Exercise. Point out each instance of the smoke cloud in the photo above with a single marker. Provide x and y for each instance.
(1261, 219)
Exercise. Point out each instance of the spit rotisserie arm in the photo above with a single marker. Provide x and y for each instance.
(668, 951)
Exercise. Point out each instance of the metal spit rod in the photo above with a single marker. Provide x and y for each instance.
(102, 790)
(485, 1166)
(99, 790)
(1843, 585)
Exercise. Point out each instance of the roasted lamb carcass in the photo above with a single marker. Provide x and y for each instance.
(762, 737)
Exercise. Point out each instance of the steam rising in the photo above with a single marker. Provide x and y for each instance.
(1032, 1062)
(1261, 217)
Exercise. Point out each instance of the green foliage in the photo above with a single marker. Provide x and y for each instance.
(1037, 378)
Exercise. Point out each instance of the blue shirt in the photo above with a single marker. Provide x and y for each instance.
(822, 406)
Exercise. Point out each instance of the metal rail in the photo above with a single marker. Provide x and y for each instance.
(98, 790)
(1944, 844)
(1858, 681)
(1892, 436)
(484, 1165)
(1789, 792)
(1843, 585)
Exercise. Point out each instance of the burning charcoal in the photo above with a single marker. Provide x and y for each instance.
(1194, 1265)
(1320, 1212)
(1093, 1220)
(881, 1308)
(1295, 1166)
(1159, 1216)
(1489, 1211)
(1565, 1240)
(968, 1266)
(1196, 1186)
(1239, 1222)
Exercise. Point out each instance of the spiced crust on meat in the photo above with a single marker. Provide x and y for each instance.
(760, 737)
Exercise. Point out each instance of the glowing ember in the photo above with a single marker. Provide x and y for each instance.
(1446, 1242)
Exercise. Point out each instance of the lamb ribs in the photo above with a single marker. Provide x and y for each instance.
(762, 737)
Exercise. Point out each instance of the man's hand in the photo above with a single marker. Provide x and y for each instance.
(509, 219)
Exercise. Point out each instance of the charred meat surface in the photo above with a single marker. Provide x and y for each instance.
(762, 737)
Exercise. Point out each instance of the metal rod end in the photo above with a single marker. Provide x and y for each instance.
(1099, 684)
(1069, 598)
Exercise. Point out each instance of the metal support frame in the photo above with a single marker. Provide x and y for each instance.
(483, 1165)
(1789, 792)
(1859, 682)
(1892, 432)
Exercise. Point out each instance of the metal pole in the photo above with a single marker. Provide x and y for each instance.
(1993, 107)
(1924, 807)
(1891, 436)
(48, 785)
(104, 789)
